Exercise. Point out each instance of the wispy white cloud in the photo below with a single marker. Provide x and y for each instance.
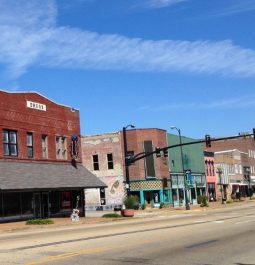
(247, 101)
(162, 3)
(34, 39)
(239, 6)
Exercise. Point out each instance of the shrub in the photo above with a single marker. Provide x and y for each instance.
(40, 222)
(111, 215)
(203, 201)
(162, 205)
(143, 206)
(131, 202)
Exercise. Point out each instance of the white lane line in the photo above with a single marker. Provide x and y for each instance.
(245, 222)
(199, 221)
(218, 222)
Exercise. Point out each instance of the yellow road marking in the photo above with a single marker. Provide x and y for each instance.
(84, 252)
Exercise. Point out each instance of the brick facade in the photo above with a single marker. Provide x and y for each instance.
(135, 142)
(41, 173)
(57, 120)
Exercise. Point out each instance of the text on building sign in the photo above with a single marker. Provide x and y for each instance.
(35, 105)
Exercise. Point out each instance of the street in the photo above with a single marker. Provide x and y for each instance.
(221, 236)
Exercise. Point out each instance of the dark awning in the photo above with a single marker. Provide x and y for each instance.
(24, 175)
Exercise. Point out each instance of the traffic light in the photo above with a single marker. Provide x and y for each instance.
(208, 140)
(254, 134)
(165, 152)
(157, 150)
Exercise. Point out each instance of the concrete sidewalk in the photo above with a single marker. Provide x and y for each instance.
(96, 216)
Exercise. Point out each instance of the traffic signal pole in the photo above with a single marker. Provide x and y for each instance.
(208, 141)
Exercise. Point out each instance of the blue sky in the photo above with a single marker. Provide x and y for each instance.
(153, 63)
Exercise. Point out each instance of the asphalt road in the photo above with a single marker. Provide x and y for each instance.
(223, 236)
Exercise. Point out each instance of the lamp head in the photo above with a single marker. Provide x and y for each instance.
(130, 125)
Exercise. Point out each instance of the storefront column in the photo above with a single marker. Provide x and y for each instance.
(142, 201)
(161, 196)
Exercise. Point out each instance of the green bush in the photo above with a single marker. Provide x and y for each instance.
(143, 206)
(162, 205)
(131, 202)
(40, 222)
(203, 201)
(111, 215)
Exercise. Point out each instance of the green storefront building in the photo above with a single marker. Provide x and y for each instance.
(193, 162)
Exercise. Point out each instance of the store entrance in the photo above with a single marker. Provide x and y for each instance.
(41, 205)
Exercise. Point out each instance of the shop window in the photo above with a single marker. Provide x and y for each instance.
(95, 162)
(61, 147)
(11, 202)
(55, 201)
(30, 151)
(110, 161)
(193, 194)
(166, 195)
(181, 195)
(44, 146)
(10, 144)
(174, 194)
(27, 198)
(66, 199)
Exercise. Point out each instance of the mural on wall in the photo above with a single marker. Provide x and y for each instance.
(115, 190)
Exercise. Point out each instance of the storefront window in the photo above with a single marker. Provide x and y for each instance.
(12, 205)
(156, 197)
(27, 198)
(174, 194)
(181, 195)
(66, 199)
(193, 194)
(166, 197)
(55, 201)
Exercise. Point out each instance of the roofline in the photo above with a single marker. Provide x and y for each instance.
(35, 92)
(99, 134)
(229, 151)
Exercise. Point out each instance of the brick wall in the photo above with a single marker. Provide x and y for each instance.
(56, 120)
(135, 142)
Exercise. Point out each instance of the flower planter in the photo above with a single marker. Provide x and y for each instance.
(127, 212)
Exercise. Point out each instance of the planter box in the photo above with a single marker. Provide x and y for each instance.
(127, 212)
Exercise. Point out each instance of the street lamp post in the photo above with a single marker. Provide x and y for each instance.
(221, 184)
(183, 169)
(126, 156)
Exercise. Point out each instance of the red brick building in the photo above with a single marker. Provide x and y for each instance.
(40, 164)
(146, 176)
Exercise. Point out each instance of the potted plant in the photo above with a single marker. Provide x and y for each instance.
(130, 203)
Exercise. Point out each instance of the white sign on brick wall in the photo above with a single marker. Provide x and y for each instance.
(35, 105)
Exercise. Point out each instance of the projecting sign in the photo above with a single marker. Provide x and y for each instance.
(35, 105)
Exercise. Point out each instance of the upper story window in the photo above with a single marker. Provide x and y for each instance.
(44, 146)
(10, 143)
(61, 147)
(110, 161)
(95, 162)
(30, 148)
